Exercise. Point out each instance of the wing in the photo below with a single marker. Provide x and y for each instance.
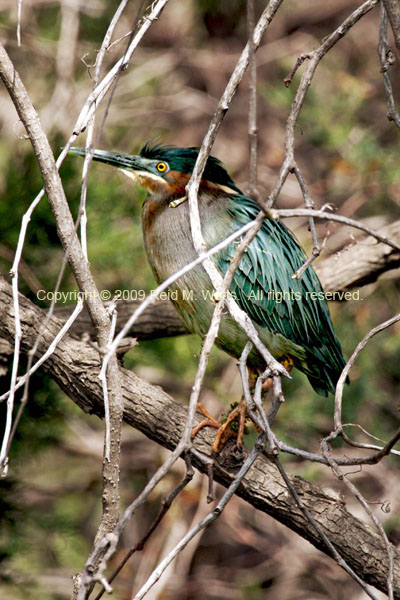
(265, 289)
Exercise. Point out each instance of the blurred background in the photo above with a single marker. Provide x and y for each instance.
(350, 155)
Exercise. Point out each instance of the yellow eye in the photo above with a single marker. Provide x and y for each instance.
(162, 167)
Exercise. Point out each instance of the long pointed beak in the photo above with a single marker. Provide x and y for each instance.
(122, 161)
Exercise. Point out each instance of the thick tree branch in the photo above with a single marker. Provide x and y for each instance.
(158, 320)
(74, 366)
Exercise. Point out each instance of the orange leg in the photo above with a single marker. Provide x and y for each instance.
(225, 432)
(237, 416)
(209, 421)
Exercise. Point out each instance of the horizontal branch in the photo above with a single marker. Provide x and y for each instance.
(158, 320)
(75, 366)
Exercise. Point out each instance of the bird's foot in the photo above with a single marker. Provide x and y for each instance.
(209, 421)
(232, 426)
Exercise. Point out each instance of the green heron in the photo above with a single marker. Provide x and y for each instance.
(291, 315)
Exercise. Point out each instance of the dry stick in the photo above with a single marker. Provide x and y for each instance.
(193, 186)
(113, 429)
(7, 73)
(117, 77)
(335, 554)
(106, 546)
(340, 384)
(111, 461)
(321, 214)
(372, 459)
(342, 477)
(306, 79)
(289, 163)
(63, 218)
(212, 516)
(387, 59)
(289, 78)
(156, 8)
(121, 65)
(114, 477)
(393, 12)
(166, 505)
(252, 185)
(382, 451)
(308, 203)
(339, 431)
(244, 376)
(255, 402)
(227, 97)
(8, 436)
(273, 455)
(14, 273)
(19, 18)
(113, 418)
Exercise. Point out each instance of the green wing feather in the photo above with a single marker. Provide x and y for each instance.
(265, 289)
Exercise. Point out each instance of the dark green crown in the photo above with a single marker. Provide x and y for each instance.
(183, 160)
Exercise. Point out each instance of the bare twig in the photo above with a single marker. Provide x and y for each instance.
(289, 78)
(64, 222)
(166, 505)
(212, 516)
(393, 12)
(314, 59)
(19, 19)
(193, 186)
(386, 57)
(121, 65)
(364, 504)
(327, 216)
(252, 185)
(340, 384)
(335, 554)
(308, 203)
(10, 427)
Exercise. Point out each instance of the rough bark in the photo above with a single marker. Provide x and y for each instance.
(159, 320)
(75, 365)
